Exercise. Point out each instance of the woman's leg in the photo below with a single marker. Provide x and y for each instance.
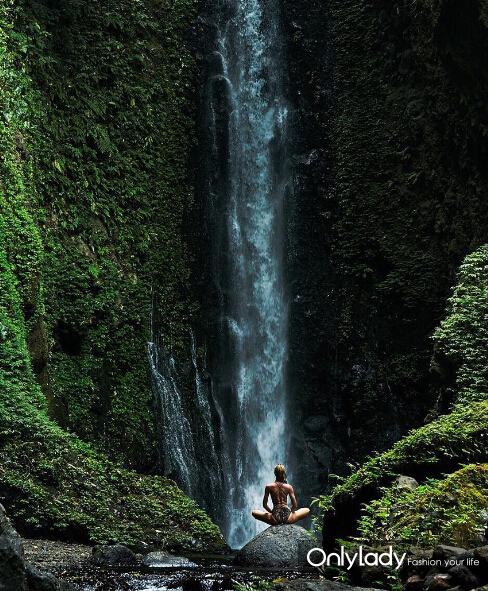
(299, 514)
(263, 516)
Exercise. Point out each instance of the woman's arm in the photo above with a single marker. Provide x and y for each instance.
(265, 500)
(293, 500)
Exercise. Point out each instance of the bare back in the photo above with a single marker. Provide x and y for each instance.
(281, 513)
(279, 492)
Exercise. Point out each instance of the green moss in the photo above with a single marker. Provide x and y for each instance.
(455, 438)
(62, 264)
(96, 130)
(452, 510)
(56, 485)
(463, 336)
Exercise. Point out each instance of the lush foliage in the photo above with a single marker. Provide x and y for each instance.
(453, 510)
(460, 436)
(94, 139)
(55, 485)
(98, 117)
(463, 336)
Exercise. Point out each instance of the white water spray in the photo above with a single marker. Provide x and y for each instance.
(256, 313)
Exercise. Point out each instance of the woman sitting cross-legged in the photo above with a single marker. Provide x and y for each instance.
(279, 491)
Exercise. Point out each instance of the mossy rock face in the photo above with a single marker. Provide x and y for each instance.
(451, 510)
(94, 136)
(56, 486)
(390, 120)
(435, 449)
(97, 129)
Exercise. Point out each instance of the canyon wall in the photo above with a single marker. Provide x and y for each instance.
(99, 120)
(389, 195)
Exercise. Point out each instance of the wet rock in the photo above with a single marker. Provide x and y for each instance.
(442, 552)
(406, 483)
(278, 546)
(461, 558)
(439, 582)
(41, 581)
(434, 570)
(315, 585)
(414, 583)
(464, 577)
(112, 555)
(481, 555)
(15, 573)
(165, 560)
(417, 563)
(12, 566)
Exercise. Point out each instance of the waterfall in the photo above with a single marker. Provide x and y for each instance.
(254, 312)
(177, 441)
(210, 462)
(187, 439)
(221, 437)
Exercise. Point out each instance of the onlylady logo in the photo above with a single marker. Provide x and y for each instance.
(317, 557)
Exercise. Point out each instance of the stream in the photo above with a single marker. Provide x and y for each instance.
(211, 573)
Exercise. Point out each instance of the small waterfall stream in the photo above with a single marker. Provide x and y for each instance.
(175, 428)
(187, 438)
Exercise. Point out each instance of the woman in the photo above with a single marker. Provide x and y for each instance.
(279, 491)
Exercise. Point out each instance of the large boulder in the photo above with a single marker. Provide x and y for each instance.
(41, 581)
(481, 556)
(284, 546)
(449, 553)
(15, 573)
(113, 555)
(12, 566)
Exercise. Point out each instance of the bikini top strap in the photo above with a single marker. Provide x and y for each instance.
(280, 490)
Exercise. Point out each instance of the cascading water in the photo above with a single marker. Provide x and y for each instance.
(210, 463)
(254, 313)
(187, 438)
(177, 440)
(221, 440)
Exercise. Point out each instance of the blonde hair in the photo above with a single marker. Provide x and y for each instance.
(280, 473)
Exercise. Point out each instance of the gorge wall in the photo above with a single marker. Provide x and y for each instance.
(390, 183)
(385, 143)
(98, 125)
